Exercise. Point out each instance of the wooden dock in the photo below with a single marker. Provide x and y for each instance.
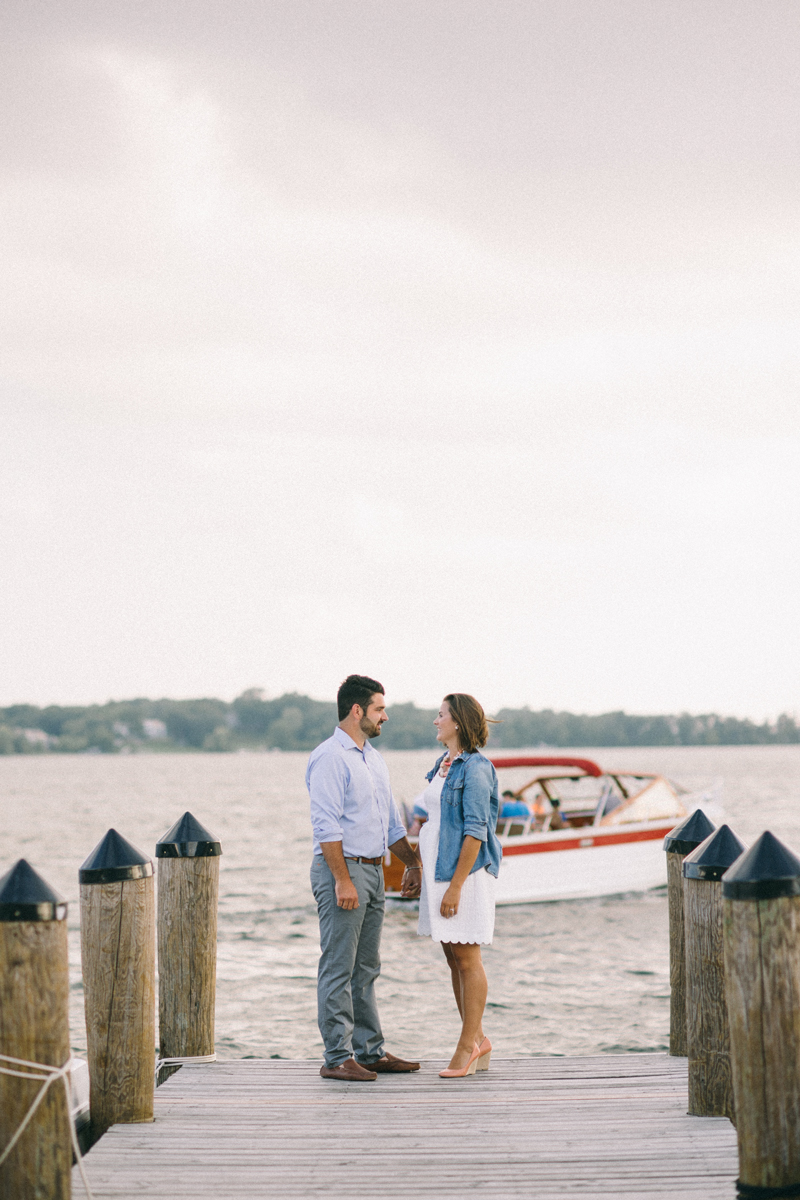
(605, 1126)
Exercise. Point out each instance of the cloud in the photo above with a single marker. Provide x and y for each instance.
(505, 310)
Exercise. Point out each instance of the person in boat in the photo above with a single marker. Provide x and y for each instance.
(461, 857)
(557, 820)
(355, 820)
(512, 806)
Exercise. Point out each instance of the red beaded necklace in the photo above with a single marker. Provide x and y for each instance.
(446, 764)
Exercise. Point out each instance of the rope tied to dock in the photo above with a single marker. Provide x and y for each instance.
(187, 1060)
(40, 1072)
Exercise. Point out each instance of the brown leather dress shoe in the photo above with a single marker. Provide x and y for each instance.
(349, 1070)
(390, 1063)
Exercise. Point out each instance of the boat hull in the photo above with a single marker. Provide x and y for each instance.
(583, 863)
(574, 864)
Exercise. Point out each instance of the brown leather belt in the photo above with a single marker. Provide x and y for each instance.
(373, 862)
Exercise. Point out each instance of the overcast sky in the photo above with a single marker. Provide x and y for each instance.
(452, 342)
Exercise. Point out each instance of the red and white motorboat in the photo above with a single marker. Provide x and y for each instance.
(579, 831)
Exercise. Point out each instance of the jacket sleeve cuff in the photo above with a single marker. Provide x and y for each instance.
(476, 829)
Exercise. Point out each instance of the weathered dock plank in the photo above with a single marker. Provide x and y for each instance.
(612, 1125)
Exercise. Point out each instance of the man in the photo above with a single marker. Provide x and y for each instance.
(355, 819)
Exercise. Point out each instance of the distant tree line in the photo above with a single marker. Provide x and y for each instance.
(521, 727)
(295, 722)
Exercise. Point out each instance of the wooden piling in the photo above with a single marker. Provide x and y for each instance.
(188, 890)
(684, 838)
(707, 1038)
(118, 956)
(762, 977)
(34, 1026)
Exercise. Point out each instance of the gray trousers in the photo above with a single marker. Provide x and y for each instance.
(349, 963)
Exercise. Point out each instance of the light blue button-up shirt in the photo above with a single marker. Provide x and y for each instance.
(351, 798)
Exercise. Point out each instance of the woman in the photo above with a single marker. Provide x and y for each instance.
(460, 862)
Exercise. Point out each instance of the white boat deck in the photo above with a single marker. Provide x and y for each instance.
(599, 1127)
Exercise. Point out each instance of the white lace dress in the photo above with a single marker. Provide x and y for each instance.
(474, 921)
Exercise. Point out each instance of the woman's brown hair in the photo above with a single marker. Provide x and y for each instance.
(473, 726)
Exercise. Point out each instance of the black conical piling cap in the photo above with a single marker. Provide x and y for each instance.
(711, 859)
(768, 870)
(687, 836)
(188, 839)
(114, 859)
(24, 896)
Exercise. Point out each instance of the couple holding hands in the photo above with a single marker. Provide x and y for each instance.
(355, 821)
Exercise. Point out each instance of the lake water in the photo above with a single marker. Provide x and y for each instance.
(576, 977)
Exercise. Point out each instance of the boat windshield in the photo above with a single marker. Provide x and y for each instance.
(631, 785)
(583, 791)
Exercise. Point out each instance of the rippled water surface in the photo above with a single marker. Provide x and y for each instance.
(567, 978)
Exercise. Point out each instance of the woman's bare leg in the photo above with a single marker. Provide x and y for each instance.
(455, 977)
(473, 988)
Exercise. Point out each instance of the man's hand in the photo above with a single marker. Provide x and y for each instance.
(412, 876)
(346, 893)
(412, 882)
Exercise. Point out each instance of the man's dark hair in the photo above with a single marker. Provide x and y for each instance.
(356, 689)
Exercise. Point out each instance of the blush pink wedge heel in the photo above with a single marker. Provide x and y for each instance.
(485, 1055)
(469, 1069)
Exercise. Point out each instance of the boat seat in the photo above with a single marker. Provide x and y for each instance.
(513, 827)
(578, 819)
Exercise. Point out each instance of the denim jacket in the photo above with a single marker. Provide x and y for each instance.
(469, 805)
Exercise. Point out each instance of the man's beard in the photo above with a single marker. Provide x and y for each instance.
(369, 729)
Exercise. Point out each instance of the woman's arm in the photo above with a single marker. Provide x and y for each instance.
(477, 796)
(470, 849)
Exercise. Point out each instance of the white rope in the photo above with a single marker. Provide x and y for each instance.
(46, 1075)
(180, 1062)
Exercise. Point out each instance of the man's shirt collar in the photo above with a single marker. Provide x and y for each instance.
(347, 743)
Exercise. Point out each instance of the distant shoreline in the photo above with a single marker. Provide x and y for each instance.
(296, 722)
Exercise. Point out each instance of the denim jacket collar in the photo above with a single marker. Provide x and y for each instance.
(462, 757)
